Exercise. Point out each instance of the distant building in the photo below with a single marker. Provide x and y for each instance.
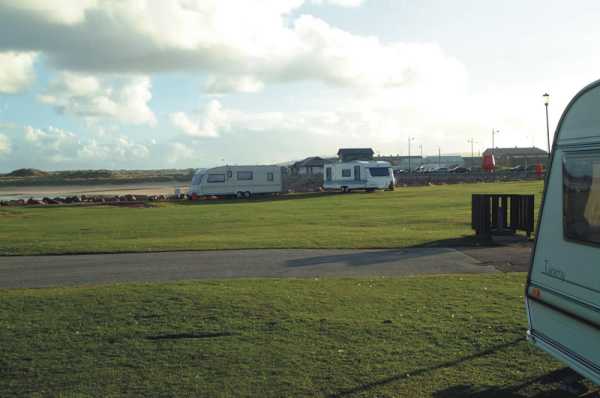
(400, 161)
(350, 154)
(511, 157)
(308, 166)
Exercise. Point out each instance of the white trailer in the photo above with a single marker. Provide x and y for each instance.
(359, 174)
(241, 181)
(563, 285)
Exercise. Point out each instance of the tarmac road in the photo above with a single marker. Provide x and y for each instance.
(71, 270)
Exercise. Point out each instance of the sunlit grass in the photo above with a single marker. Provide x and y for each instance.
(405, 217)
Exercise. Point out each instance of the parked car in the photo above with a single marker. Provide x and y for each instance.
(517, 168)
(460, 169)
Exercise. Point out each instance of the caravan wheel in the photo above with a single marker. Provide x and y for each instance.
(247, 194)
(239, 194)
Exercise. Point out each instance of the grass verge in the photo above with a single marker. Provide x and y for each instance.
(441, 336)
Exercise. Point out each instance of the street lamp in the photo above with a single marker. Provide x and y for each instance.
(409, 140)
(472, 141)
(494, 132)
(546, 102)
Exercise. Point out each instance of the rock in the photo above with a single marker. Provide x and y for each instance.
(50, 201)
(34, 202)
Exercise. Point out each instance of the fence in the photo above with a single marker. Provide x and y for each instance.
(457, 178)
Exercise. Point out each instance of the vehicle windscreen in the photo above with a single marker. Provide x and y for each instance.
(581, 193)
(379, 171)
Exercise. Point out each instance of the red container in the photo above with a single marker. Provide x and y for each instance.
(489, 163)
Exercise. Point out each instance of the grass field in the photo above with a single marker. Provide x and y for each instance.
(440, 336)
(405, 217)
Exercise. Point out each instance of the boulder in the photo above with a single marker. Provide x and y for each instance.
(34, 202)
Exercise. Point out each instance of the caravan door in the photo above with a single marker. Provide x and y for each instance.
(563, 286)
(357, 173)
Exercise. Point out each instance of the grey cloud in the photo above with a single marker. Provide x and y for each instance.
(306, 49)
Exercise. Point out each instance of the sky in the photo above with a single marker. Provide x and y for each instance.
(149, 84)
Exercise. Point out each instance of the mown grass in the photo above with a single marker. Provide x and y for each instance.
(441, 336)
(405, 217)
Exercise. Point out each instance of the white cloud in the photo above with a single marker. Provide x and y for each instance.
(124, 100)
(58, 146)
(224, 84)
(243, 45)
(209, 124)
(340, 3)
(16, 71)
(54, 144)
(119, 149)
(178, 152)
(5, 147)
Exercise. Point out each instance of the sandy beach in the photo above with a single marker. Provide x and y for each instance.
(38, 192)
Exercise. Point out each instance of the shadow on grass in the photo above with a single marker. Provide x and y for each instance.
(177, 336)
(553, 377)
(417, 372)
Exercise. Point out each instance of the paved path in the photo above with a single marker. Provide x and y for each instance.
(42, 271)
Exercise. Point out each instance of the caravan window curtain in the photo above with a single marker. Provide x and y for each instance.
(245, 175)
(216, 178)
(581, 196)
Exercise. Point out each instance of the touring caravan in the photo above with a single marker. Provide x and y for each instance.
(359, 174)
(563, 285)
(241, 181)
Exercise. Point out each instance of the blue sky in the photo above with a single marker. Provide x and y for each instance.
(194, 83)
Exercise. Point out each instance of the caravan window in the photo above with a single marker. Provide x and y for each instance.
(346, 172)
(581, 195)
(379, 171)
(216, 178)
(244, 175)
(270, 177)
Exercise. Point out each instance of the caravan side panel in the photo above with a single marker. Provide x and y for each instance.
(563, 289)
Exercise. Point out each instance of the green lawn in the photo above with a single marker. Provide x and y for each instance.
(405, 217)
(441, 336)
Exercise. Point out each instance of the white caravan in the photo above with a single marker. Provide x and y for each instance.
(241, 181)
(359, 174)
(563, 286)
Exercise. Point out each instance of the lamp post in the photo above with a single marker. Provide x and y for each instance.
(409, 140)
(494, 132)
(472, 141)
(546, 102)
